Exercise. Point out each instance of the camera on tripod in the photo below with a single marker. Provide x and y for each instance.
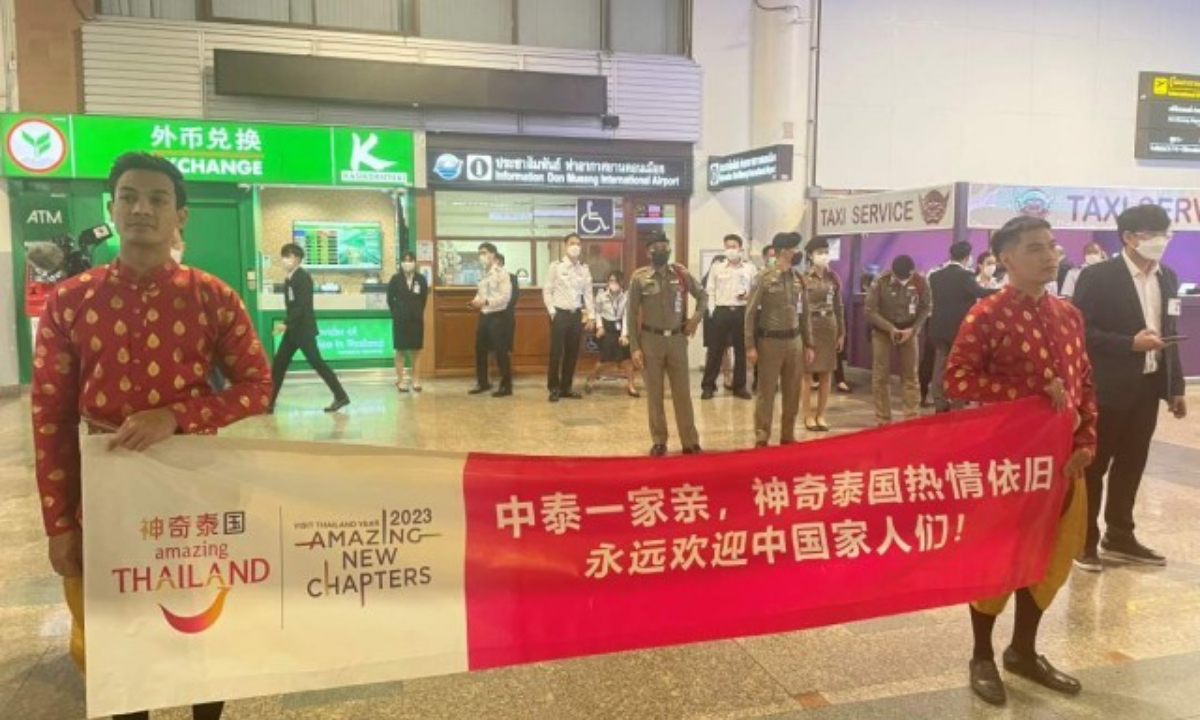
(61, 257)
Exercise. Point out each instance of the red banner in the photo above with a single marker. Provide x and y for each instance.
(577, 556)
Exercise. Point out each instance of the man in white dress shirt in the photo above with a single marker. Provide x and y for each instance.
(729, 284)
(567, 292)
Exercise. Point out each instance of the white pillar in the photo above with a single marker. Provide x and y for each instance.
(9, 370)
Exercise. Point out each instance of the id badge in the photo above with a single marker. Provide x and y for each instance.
(678, 303)
(290, 297)
(912, 306)
(829, 296)
(1174, 307)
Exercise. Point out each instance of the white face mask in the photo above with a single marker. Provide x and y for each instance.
(408, 266)
(614, 288)
(573, 251)
(733, 254)
(1092, 259)
(1153, 247)
(989, 269)
(484, 260)
(821, 260)
(177, 255)
(770, 261)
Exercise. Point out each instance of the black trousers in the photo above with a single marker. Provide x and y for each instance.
(1122, 448)
(204, 711)
(566, 331)
(925, 369)
(492, 335)
(728, 330)
(307, 345)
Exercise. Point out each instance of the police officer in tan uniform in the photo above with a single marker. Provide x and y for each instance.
(898, 304)
(659, 329)
(777, 339)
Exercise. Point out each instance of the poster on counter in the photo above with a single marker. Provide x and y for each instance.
(929, 208)
(1077, 208)
(235, 568)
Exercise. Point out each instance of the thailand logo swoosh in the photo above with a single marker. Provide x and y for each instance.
(193, 624)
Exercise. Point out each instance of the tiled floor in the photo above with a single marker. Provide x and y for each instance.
(1131, 634)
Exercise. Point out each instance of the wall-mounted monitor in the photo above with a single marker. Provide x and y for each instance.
(332, 245)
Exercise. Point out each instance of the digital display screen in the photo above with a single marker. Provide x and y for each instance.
(330, 245)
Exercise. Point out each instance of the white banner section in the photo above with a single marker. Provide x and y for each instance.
(250, 568)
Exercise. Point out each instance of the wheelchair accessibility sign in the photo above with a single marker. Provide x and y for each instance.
(594, 218)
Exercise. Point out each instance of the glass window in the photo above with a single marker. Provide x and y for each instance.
(486, 21)
(165, 9)
(458, 261)
(647, 26)
(559, 23)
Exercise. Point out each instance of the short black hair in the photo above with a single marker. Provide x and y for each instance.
(1012, 231)
(960, 251)
(1143, 218)
(408, 255)
(768, 250)
(984, 256)
(734, 237)
(292, 250)
(500, 258)
(903, 266)
(489, 247)
(152, 163)
(568, 236)
(615, 275)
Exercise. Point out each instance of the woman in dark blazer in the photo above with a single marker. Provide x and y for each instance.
(407, 294)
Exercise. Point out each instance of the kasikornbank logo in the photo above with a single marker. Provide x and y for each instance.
(36, 146)
(367, 166)
(193, 570)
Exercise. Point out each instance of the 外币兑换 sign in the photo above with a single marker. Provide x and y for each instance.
(482, 169)
(920, 209)
(246, 567)
(85, 146)
(752, 167)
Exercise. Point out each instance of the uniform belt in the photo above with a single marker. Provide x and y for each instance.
(779, 334)
(822, 313)
(569, 312)
(732, 308)
(659, 331)
(904, 325)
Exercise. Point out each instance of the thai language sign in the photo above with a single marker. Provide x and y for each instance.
(920, 209)
(84, 146)
(752, 167)
(482, 169)
(1077, 208)
(237, 568)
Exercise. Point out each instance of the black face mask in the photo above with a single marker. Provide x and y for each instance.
(659, 257)
(796, 260)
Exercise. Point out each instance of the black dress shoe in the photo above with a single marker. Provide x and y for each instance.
(502, 392)
(572, 395)
(658, 450)
(554, 396)
(743, 393)
(338, 404)
(692, 450)
(1039, 670)
(706, 395)
(1130, 550)
(479, 389)
(986, 682)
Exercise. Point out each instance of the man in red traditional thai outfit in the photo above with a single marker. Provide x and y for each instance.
(127, 348)
(1024, 342)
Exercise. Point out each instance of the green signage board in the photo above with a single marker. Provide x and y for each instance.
(84, 146)
(353, 338)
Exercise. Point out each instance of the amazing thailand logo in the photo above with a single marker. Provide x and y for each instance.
(193, 565)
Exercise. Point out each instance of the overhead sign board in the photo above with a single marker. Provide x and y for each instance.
(929, 208)
(1077, 208)
(485, 169)
(84, 146)
(1168, 117)
(752, 167)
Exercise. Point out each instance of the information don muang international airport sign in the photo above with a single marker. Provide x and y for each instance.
(84, 146)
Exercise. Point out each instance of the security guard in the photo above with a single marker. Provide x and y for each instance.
(898, 304)
(658, 329)
(778, 339)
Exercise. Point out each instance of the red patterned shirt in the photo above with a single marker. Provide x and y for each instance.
(1011, 346)
(110, 344)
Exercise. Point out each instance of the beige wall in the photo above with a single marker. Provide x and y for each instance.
(48, 54)
(282, 206)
